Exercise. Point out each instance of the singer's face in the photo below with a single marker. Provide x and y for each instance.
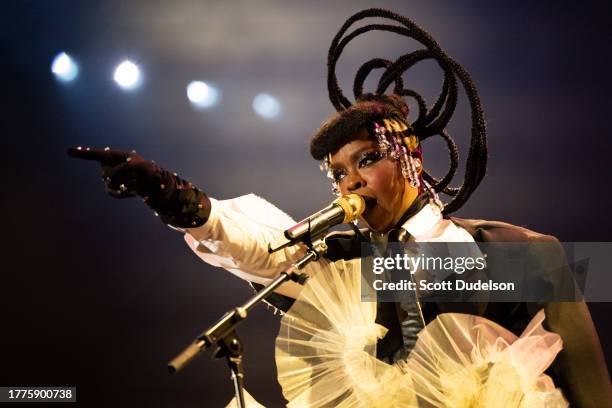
(358, 167)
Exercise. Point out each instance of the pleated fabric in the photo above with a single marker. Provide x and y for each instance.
(326, 355)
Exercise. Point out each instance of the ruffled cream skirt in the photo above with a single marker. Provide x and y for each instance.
(326, 356)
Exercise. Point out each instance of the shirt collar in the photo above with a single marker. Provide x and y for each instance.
(423, 221)
(419, 218)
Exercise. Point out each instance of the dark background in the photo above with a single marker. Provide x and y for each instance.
(97, 293)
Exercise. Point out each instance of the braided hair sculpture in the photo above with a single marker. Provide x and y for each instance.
(372, 107)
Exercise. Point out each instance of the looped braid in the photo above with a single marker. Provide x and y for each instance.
(441, 186)
(429, 122)
(365, 70)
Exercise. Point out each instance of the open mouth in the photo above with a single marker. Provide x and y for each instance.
(370, 203)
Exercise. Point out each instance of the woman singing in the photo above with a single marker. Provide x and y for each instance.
(372, 149)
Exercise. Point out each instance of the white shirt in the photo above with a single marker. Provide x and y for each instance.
(238, 231)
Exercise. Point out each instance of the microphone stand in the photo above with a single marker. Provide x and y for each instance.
(223, 332)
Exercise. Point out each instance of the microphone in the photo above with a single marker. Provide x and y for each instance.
(344, 209)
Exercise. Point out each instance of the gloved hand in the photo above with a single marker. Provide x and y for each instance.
(126, 174)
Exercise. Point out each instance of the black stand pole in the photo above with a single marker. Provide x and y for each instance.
(223, 332)
(230, 347)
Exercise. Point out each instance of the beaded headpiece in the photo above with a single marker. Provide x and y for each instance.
(387, 114)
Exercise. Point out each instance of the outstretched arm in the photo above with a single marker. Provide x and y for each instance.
(236, 238)
(232, 234)
(126, 174)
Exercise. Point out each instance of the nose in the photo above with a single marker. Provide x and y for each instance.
(354, 183)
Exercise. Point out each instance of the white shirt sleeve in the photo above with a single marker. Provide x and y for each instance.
(236, 236)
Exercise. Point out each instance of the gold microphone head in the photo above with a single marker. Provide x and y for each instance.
(353, 205)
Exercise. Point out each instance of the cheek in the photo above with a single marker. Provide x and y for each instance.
(388, 184)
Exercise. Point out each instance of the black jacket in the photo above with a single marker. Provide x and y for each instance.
(580, 368)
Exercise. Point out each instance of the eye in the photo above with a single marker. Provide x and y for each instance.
(369, 158)
(338, 175)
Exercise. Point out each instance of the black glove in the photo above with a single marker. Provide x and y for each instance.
(126, 174)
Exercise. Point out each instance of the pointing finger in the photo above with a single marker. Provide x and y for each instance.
(104, 156)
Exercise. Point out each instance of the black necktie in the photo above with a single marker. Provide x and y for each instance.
(403, 320)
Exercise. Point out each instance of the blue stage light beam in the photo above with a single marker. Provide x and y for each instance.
(202, 94)
(266, 106)
(64, 67)
(127, 75)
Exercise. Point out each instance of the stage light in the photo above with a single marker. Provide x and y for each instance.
(266, 106)
(127, 75)
(64, 68)
(202, 94)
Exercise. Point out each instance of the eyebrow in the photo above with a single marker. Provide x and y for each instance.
(353, 156)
